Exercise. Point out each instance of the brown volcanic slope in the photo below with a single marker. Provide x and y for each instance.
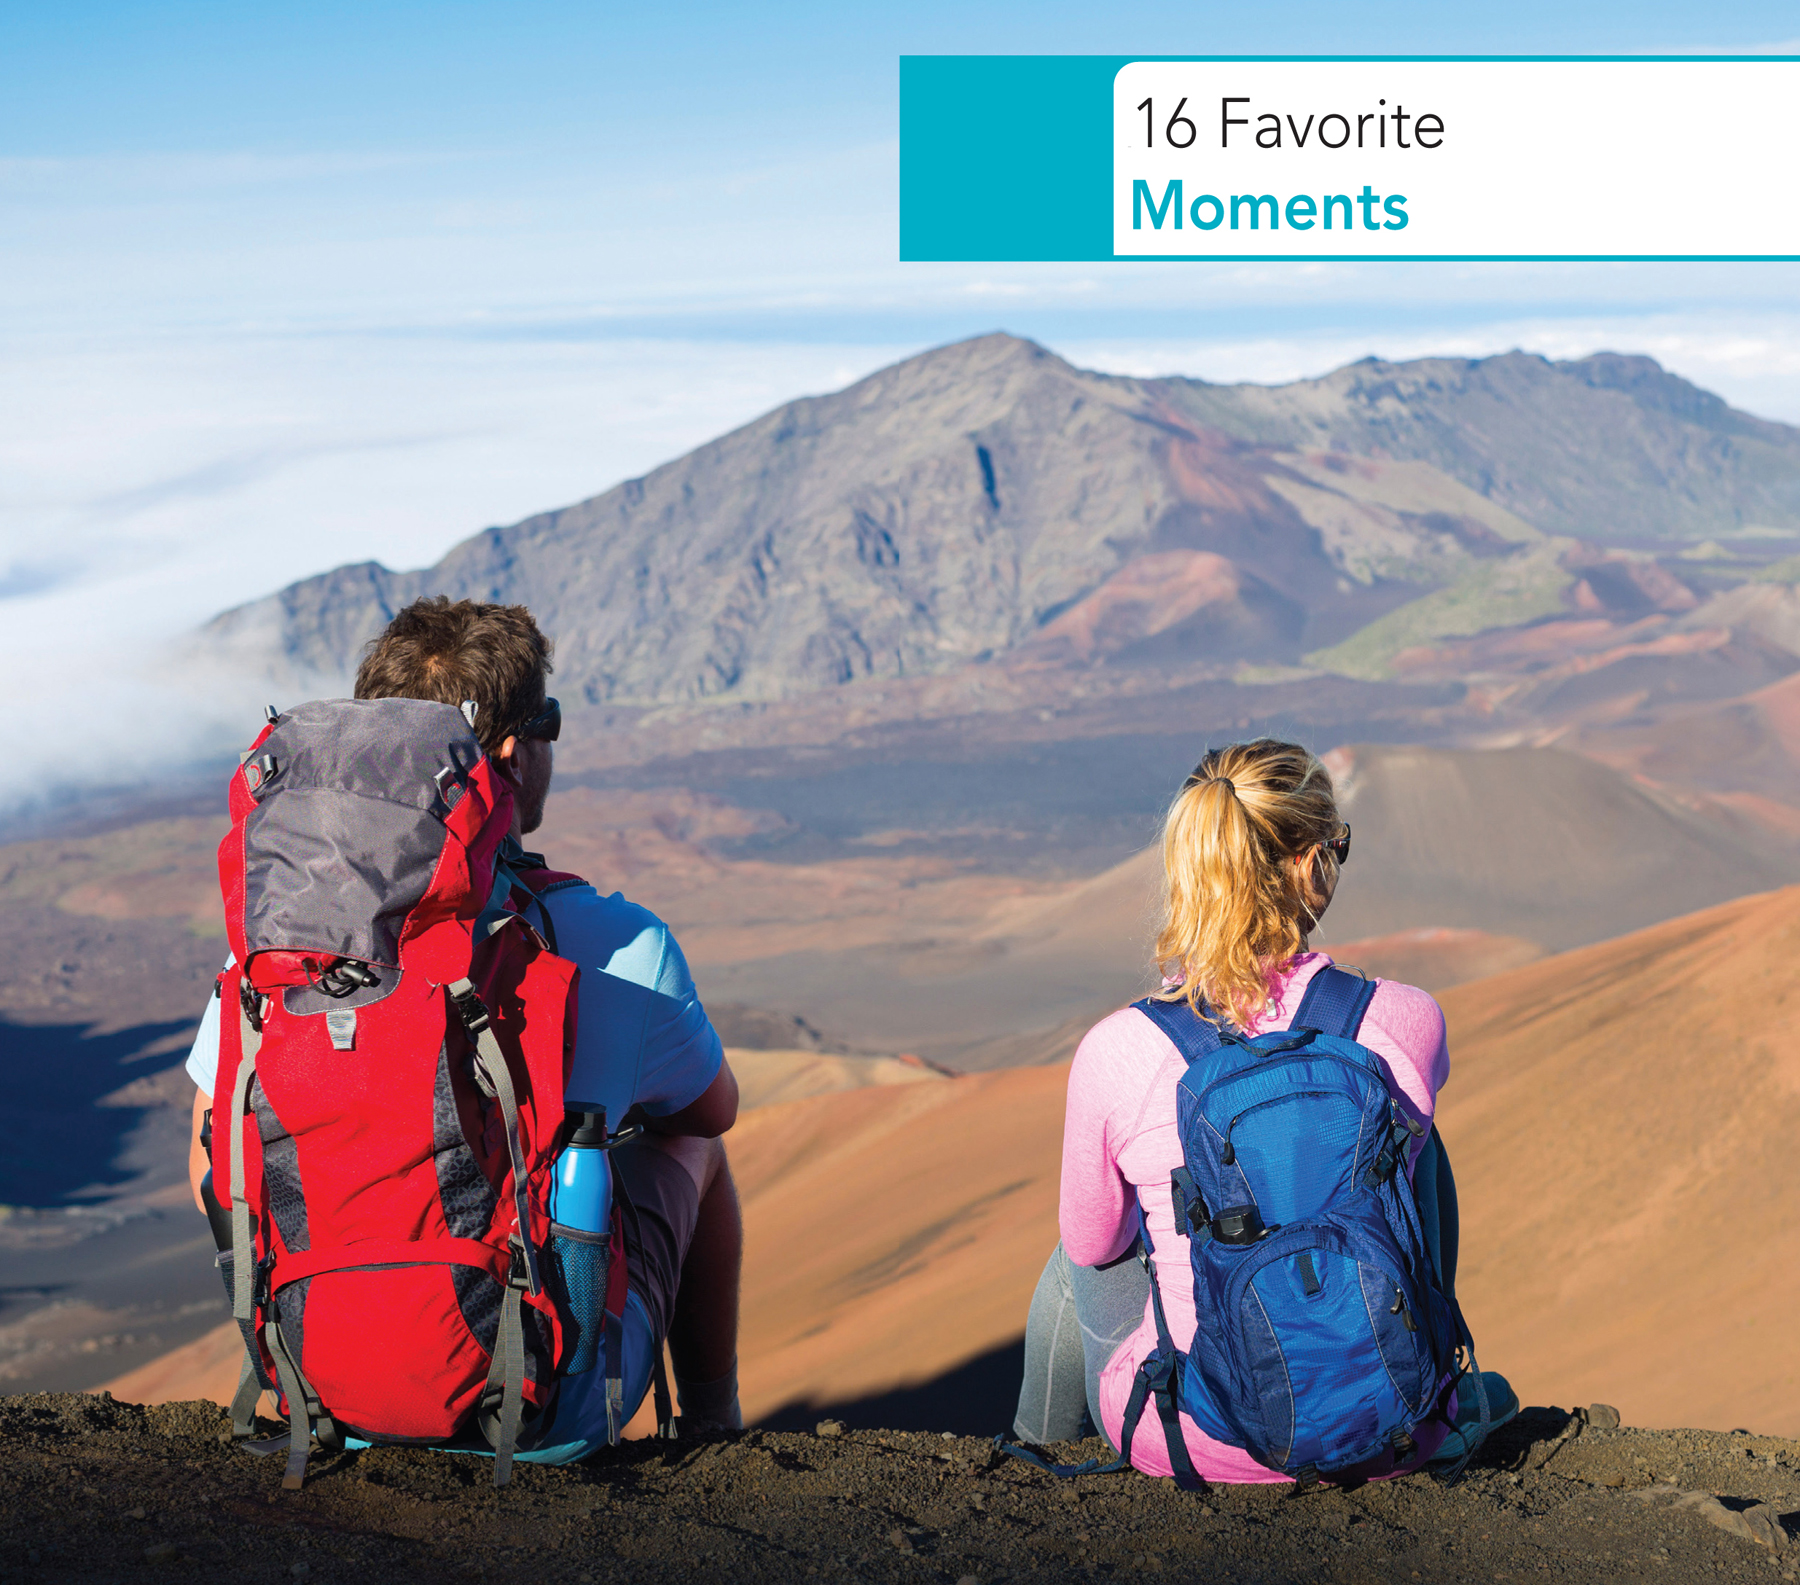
(1622, 1121)
(1531, 842)
(1742, 752)
(1620, 1118)
(891, 1234)
(1539, 848)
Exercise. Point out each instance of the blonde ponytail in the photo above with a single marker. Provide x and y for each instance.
(1235, 911)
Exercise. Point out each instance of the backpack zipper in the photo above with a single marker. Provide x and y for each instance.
(1362, 1069)
(1283, 1245)
(1229, 1155)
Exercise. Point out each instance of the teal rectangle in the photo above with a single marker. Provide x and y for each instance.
(1008, 159)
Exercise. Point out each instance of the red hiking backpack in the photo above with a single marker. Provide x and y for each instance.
(393, 1053)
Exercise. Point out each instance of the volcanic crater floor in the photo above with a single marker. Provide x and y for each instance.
(96, 1489)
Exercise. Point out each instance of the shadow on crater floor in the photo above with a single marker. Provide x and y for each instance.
(58, 1139)
(976, 1399)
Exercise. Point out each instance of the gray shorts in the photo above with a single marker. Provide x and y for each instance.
(662, 1207)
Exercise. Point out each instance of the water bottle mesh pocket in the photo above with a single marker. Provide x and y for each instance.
(577, 1273)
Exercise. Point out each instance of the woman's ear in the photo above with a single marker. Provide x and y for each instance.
(1310, 871)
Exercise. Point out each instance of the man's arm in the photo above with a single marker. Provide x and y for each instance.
(708, 1117)
(203, 1069)
(197, 1158)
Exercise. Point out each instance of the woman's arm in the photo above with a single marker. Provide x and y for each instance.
(1405, 1027)
(1097, 1213)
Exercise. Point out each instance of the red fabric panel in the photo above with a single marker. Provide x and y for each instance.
(362, 1120)
(387, 1351)
(231, 852)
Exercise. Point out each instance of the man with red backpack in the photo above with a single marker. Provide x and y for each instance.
(413, 1000)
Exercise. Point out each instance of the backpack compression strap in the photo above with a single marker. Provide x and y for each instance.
(502, 1402)
(1159, 1379)
(530, 880)
(305, 1412)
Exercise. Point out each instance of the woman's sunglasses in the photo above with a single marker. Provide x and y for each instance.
(546, 725)
(1339, 847)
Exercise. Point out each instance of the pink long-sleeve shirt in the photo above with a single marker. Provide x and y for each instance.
(1119, 1135)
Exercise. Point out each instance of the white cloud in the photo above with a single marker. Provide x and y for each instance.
(149, 485)
(65, 178)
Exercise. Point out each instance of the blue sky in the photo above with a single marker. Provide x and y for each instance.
(286, 287)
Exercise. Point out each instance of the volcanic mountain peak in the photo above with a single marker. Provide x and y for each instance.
(949, 509)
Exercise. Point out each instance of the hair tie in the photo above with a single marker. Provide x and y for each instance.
(1206, 781)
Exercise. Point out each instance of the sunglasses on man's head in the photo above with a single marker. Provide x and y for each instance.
(546, 725)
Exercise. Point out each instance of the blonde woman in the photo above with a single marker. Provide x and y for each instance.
(1252, 850)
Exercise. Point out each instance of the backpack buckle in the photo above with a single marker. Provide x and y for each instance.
(345, 976)
(1159, 1371)
(1393, 1152)
(1192, 1218)
(251, 1004)
(471, 1009)
(518, 1265)
(1239, 1225)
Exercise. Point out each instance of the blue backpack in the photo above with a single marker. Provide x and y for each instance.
(1324, 1331)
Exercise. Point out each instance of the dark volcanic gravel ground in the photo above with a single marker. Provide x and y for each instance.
(92, 1489)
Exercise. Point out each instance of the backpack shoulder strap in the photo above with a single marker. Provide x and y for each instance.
(1194, 1036)
(1335, 1002)
(540, 879)
(528, 874)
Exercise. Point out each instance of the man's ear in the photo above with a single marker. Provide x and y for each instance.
(508, 758)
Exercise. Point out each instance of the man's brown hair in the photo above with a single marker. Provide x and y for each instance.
(452, 650)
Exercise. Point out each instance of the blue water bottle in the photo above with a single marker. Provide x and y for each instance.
(581, 1231)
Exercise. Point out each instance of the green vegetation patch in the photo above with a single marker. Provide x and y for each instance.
(1787, 570)
(1505, 593)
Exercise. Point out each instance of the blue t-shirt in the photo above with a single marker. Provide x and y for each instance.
(641, 1038)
